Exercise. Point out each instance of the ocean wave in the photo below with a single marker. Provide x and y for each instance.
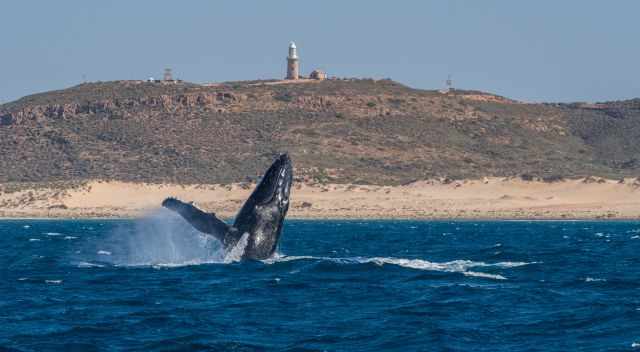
(90, 265)
(592, 279)
(456, 266)
(53, 234)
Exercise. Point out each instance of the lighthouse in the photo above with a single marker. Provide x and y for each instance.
(293, 65)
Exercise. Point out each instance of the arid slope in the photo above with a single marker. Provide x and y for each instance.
(338, 131)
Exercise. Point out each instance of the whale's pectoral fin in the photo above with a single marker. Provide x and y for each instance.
(201, 221)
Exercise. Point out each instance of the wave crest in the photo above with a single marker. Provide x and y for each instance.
(455, 266)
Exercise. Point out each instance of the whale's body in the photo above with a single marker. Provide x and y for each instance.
(260, 217)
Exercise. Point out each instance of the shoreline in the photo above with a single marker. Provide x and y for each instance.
(488, 199)
(289, 218)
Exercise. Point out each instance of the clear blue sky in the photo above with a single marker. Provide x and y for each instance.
(543, 50)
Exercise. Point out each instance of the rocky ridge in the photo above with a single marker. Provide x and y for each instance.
(339, 131)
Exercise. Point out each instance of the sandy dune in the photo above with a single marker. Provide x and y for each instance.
(488, 198)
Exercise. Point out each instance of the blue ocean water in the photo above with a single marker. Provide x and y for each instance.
(156, 285)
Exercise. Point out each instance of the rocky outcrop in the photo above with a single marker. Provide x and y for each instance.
(215, 101)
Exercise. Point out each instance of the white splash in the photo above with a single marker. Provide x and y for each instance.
(165, 240)
(176, 265)
(34, 240)
(591, 279)
(160, 239)
(457, 266)
(70, 237)
(90, 265)
(53, 281)
(235, 254)
(53, 234)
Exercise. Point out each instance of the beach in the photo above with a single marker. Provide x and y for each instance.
(487, 198)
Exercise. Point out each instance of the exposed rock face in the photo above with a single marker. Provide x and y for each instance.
(360, 131)
(166, 103)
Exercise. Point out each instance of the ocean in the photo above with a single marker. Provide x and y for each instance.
(154, 284)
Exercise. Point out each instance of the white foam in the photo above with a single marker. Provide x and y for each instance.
(53, 234)
(635, 237)
(101, 252)
(161, 239)
(22, 279)
(53, 281)
(635, 345)
(484, 275)
(236, 253)
(70, 237)
(89, 265)
(458, 266)
(176, 264)
(34, 240)
(279, 258)
(591, 279)
(26, 226)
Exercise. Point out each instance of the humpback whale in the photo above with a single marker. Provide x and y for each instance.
(259, 220)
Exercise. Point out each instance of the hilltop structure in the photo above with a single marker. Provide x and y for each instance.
(448, 86)
(318, 75)
(293, 64)
(168, 76)
(293, 67)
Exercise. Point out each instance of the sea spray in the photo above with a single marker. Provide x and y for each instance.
(160, 238)
(235, 254)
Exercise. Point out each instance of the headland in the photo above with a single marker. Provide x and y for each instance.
(362, 148)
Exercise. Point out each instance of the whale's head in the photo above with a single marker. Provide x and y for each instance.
(263, 213)
(275, 186)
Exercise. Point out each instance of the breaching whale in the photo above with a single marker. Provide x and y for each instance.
(260, 218)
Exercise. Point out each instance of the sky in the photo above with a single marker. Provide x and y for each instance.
(543, 50)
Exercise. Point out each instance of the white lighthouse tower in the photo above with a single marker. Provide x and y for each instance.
(293, 65)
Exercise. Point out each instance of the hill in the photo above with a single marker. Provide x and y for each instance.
(339, 131)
